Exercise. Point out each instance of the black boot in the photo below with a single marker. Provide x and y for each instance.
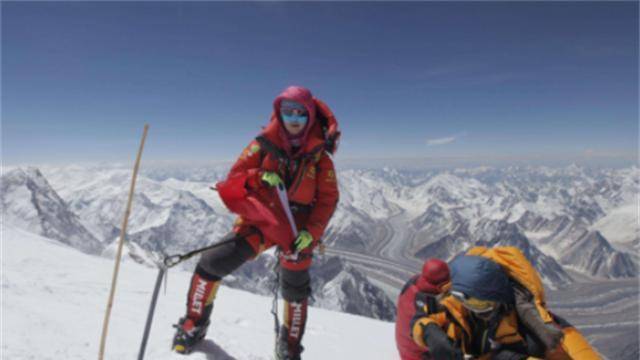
(188, 335)
(193, 327)
(286, 350)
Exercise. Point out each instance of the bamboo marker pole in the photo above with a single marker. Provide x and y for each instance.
(123, 231)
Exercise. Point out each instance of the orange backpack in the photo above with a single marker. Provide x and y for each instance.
(519, 269)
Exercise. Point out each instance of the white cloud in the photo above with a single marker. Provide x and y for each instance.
(442, 141)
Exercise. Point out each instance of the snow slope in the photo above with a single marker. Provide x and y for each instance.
(615, 226)
(54, 299)
(29, 202)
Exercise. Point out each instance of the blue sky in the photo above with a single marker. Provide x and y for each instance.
(464, 79)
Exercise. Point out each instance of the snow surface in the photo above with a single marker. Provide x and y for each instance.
(54, 300)
(620, 226)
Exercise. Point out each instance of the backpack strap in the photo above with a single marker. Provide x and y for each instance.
(267, 146)
(284, 162)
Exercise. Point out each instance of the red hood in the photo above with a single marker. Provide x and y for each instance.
(300, 95)
(435, 277)
(313, 133)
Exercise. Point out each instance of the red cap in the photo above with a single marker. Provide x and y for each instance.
(434, 277)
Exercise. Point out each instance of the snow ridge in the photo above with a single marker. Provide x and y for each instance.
(28, 201)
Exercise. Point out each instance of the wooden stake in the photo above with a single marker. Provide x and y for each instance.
(123, 231)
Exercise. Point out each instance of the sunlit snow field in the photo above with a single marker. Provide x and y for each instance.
(54, 300)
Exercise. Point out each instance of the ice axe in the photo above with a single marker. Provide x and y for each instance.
(284, 201)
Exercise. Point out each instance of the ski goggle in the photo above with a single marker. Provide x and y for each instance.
(294, 118)
(475, 305)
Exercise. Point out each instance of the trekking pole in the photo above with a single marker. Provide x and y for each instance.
(274, 303)
(152, 308)
(123, 231)
(284, 202)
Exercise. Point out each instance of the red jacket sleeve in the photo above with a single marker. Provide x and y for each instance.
(248, 164)
(327, 195)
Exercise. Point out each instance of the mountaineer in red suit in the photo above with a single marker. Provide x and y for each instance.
(294, 150)
(418, 299)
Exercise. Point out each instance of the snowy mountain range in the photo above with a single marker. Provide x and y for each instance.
(569, 221)
(166, 220)
(559, 217)
(578, 226)
(29, 202)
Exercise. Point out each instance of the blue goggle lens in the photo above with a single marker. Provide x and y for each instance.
(302, 119)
